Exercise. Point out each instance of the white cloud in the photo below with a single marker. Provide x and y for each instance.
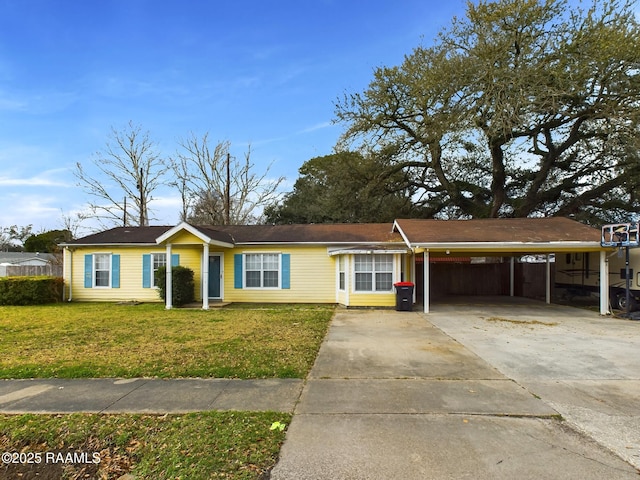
(44, 179)
(40, 211)
(313, 128)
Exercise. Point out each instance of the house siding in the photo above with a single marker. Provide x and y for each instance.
(358, 299)
(311, 277)
(130, 285)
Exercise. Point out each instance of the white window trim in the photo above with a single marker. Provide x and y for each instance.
(394, 276)
(94, 270)
(244, 271)
(153, 271)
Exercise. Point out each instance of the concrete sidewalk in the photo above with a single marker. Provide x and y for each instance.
(145, 395)
(392, 396)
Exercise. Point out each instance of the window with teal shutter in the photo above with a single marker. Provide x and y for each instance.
(150, 264)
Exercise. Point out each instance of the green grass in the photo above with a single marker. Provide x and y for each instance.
(229, 445)
(109, 340)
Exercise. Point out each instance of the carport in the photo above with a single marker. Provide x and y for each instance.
(501, 237)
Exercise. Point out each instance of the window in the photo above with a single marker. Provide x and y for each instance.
(341, 272)
(101, 270)
(373, 273)
(157, 260)
(262, 270)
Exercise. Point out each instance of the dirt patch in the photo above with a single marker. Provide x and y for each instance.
(33, 463)
(521, 322)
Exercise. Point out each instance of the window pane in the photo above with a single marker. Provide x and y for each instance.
(102, 262)
(364, 282)
(384, 263)
(102, 269)
(363, 263)
(341, 281)
(159, 260)
(383, 282)
(102, 278)
(271, 279)
(253, 279)
(254, 262)
(270, 261)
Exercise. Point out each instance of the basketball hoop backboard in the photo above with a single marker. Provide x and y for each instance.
(620, 235)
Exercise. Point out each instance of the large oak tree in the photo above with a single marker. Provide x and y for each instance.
(345, 187)
(521, 108)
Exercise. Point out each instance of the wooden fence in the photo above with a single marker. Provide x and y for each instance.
(30, 270)
(488, 279)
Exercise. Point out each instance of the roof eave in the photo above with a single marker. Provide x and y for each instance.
(516, 247)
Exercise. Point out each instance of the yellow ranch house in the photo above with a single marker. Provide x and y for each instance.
(355, 265)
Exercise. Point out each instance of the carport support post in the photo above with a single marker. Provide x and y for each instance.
(168, 292)
(512, 274)
(548, 279)
(426, 282)
(604, 283)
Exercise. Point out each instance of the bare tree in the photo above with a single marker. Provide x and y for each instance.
(131, 170)
(73, 222)
(217, 188)
(12, 238)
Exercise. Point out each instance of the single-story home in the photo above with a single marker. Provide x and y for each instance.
(355, 265)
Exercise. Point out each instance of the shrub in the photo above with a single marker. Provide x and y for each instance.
(30, 290)
(182, 284)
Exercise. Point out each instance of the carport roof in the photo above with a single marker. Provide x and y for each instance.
(500, 234)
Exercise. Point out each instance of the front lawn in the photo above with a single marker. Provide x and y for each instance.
(109, 340)
(229, 445)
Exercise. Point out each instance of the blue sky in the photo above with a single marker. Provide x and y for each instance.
(265, 73)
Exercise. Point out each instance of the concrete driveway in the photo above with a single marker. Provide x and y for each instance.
(468, 391)
(585, 366)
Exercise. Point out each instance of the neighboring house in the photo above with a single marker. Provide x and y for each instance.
(355, 265)
(24, 260)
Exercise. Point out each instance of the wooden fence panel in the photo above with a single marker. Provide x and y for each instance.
(33, 270)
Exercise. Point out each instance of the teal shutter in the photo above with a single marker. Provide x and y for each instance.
(237, 270)
(146, 270)
(286, 270)
(175, 259)
(115, 271)
(88, 271)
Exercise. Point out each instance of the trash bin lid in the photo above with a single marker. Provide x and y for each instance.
(403, 284)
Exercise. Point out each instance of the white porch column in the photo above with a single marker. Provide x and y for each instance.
(169, 281)
(604, 283)
(205, 276)
(426, 299)
(347, 280)
(548, 280)
(512, 274)
(412, 275)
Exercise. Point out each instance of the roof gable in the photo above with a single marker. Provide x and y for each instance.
(212, 237)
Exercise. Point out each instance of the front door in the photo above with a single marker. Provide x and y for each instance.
(215, 276)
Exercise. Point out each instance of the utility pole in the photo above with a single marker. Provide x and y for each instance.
(227, 193)
(143, 207)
